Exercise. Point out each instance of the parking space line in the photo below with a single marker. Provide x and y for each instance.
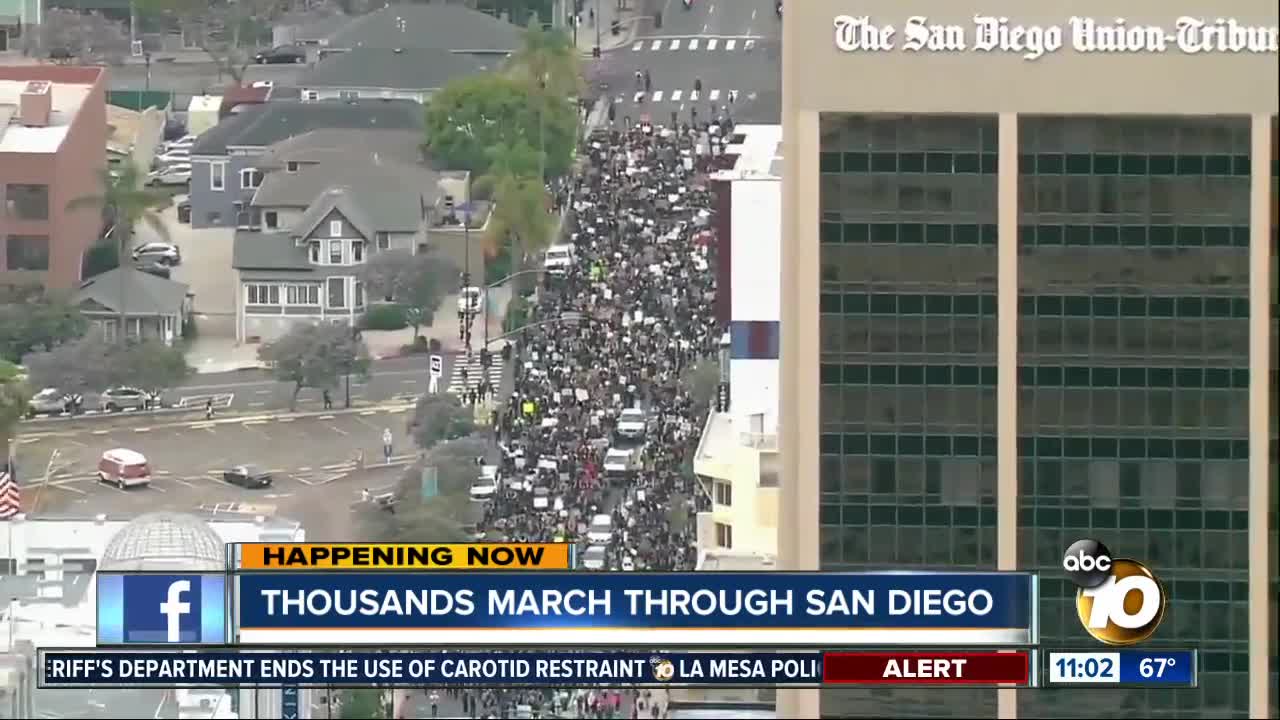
(397, 411)
(277, 471)
(409, 382)
(100, 432)
(335, 466)
(261, 392)
(254, 422)
(155, 487)
(70, 488)
(325, 417)
(256, 404)
(304, 469)
(184, 482)
(137, 430)
(339, 430)
(368, 412)
(285, 419)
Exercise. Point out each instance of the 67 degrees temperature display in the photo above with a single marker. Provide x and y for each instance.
(1127, 667)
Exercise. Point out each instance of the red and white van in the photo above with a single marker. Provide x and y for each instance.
(124, 468)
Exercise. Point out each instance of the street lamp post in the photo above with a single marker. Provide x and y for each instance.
(599, 21)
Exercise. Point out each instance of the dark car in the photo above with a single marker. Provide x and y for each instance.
(249, 476)
(61, 53)
(281, 55)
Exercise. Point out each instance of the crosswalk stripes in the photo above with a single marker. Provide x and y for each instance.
(695, 44)
(714, 95)
(474, 372)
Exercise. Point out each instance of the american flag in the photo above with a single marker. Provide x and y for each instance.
(10, 496)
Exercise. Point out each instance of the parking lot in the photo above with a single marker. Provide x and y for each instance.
(309, 457)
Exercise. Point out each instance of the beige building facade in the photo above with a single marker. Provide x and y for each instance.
(1030, 258)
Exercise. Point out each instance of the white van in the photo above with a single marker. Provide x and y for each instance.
(124, 468)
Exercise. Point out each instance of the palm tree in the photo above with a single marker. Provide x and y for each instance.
(13, 402)
(129, 202)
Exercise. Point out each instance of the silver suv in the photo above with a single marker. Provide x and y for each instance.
(50, 401)
(128, 398)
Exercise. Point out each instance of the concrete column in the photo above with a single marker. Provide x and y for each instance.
(1260, 218)
(1007, 366)
(798, 427)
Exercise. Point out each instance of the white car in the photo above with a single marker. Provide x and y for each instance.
(600, 530)
(174, 156)
(469, 299)
(484, 488)
(617, 461)
(628, 563)
(175, 174)
(186, 142)
(541, 498)
(558, 259)
(161, 252)
(632, 423)
(593, 558)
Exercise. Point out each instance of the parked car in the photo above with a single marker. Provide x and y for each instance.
(186, 142)
(601, 529)
(160, 252)
(124, 468)
(50, 401)
(249, 476)
(61, 53)
(173, 157)
(632, 423)
(175, 174)
(127, 398)
(281, 54)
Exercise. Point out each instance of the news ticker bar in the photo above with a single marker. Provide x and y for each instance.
(413, 668)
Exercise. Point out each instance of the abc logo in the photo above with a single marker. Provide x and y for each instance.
(1119, 601)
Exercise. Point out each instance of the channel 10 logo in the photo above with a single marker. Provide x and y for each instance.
(1120, 601)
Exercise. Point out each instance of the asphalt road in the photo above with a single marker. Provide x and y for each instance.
(316, 478)
(732, 46)
(254, 391)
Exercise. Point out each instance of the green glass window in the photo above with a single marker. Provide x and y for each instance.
(829, 233)
(989, 235)
(911, 163)
(967, 305)
(829, 303)
(1134, 307)
(937, 304)
(1133, 164)
(1106, 164)
(1051, 376)
(1162, 235)
(857, 162)
(936, 234)
(856, 375)
(1050, 164)
(1106, 306)
(1027, 235)
(990, 163)
(1160, 307)
(858, 233)
(1160, 377)
(1049, 305)
(911, 305)
(829, 374)
(1190, 307)
(1163, 164)
(1078, 235)
(1217, 236)
(1190, 236)
(938, 375)
(1076, 376)
(1049, 235)
(1104, 447)
(884, 375)
(1133, 235)
(1077, 305)
(1133, 377)
(884, 444)
(1105, 377)
(1026, 164)
(1189, 377)
(911, 233)
(884, 233)
(1217, 378)
(855, 444)
(1241, 166)
(1240, 236)
(967, 234)
(937, 445)
(967, 164)
(1080, 164)
(882, 304)
(938, 163)
(884, 162)
(967, 375)
(911, 375)
(829, 162)
(1190, 165)
(1106, 235)
(1217, 165)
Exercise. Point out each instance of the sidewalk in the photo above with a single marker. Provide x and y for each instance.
(591, 27)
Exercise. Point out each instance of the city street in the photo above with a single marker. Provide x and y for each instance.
(732, 46)
(313, 461)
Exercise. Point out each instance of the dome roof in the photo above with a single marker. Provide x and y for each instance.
(164, 541)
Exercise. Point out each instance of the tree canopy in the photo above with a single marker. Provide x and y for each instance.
(548, 59)
(417, 282)
(316, 356)
(14, 393)
(243, 24)
(477, 112)
(91, 364)
(37, 323)
(440, 417)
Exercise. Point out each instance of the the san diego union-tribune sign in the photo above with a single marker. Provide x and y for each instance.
(988, 33)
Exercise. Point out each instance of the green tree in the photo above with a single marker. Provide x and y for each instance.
(700, 380)
(245, 24)
(126, 198)
(440, 417)
(439, 518)
(36, 323)
(472, 114)
(416, 282)
(315, 356)
(363, 704)
(14, 394)
(548, 59)
(520, 201)
(91, 364)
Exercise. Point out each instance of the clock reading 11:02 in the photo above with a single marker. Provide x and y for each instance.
(1084, 667)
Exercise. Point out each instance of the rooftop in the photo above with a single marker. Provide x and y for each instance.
(269, 123)
(66, 99)
(393, 69)
(445, 26)
(735, 561)
(331, 143)
(147, 294)
(391, 195)
(759, 152)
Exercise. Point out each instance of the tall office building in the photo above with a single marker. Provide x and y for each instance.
(1028, 295)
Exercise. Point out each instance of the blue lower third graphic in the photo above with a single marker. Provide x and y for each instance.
(154, 609)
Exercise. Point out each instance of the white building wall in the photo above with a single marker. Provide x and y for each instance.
(756, 249)
(754, 391)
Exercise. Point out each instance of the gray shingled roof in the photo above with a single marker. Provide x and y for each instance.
(407, 69)
(147, 294)
(268, 123)
(330, 143)
(435, 25)
(268, 251)
(368, 176)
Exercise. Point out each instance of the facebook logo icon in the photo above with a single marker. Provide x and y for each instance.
(160, 609)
